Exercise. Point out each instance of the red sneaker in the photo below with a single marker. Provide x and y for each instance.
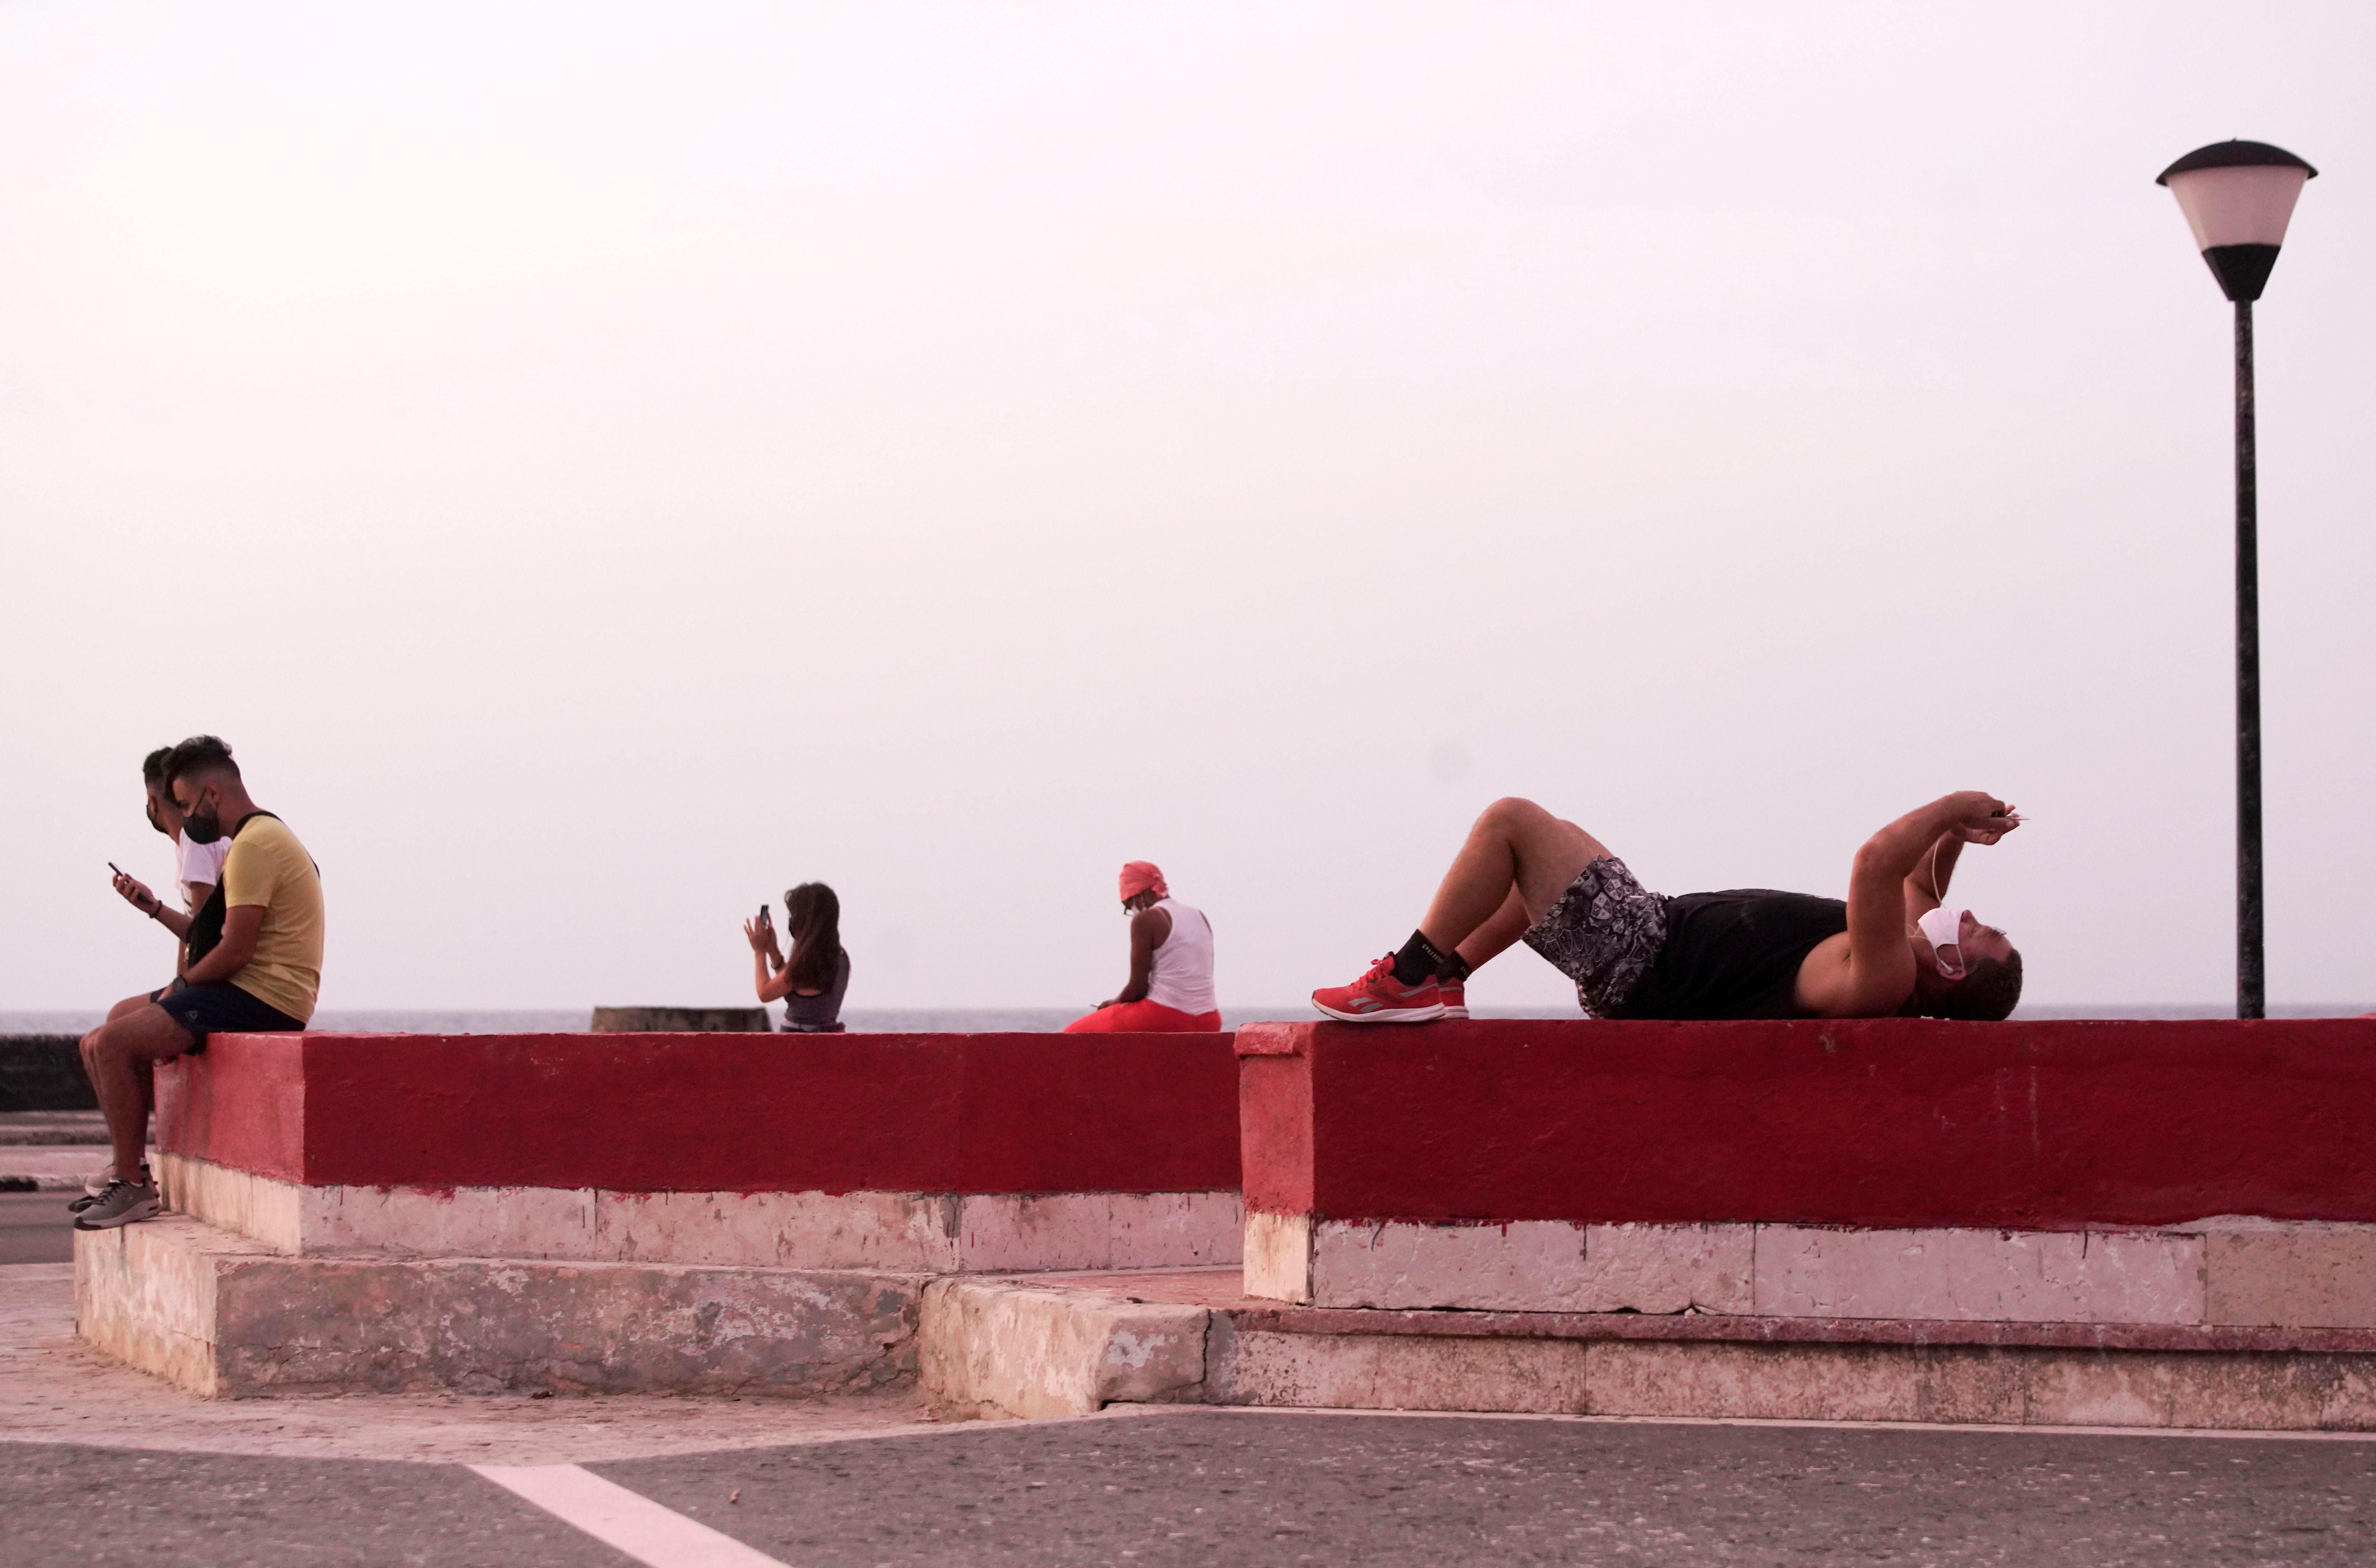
(1456, 997)
(1379, 998)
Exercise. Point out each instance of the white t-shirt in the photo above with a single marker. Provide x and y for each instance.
(198, 864)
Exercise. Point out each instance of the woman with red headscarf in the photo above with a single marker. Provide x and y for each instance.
(1171, 987)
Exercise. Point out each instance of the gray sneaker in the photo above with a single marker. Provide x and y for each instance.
(93, 1185)
(124, 1203)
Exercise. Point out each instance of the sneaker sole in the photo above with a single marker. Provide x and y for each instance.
(1384, 1016)
(1456, 1012)
(132, 1216)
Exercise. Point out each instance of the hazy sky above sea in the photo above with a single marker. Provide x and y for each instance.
(601, 466)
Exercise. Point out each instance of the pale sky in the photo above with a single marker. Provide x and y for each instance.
(600, 466)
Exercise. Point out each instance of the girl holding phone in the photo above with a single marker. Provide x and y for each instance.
(812, 981)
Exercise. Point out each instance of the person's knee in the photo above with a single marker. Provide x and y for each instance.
(104, 1043)
(148, 1033)
(1511, 813)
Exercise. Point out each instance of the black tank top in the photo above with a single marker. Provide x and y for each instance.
(1734, 955)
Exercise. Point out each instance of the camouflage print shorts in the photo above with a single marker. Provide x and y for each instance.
(1603, 934)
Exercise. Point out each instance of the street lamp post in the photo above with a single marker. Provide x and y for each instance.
(2238, 197)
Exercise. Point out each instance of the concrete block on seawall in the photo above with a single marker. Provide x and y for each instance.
(1000, 1349)
(43, 1073)
(680, 1020)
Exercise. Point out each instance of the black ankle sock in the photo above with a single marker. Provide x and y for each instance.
(1454, 968)
(1418, 960)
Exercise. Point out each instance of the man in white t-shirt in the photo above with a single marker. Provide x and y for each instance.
(197, 868)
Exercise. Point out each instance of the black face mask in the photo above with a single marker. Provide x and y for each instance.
(201, 826)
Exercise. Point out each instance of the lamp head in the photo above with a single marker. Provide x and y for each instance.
(2237, 198)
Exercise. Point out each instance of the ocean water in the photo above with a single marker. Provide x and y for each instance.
(998, 1020)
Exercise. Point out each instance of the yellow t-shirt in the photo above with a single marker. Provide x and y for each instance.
(267, 868)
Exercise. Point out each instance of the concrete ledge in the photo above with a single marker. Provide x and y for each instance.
(998, 1349)
(224, 1316)
(1801, 1381)
(1005, 1347)
(904, 1232)
(145, 1294)
(1713, 1328)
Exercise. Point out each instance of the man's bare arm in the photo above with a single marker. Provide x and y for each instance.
(1880, 974)
(1926, 889)
(232, 954)
(1148, 930)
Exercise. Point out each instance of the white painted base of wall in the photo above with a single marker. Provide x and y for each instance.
(2228, 1271)
(903, 1232)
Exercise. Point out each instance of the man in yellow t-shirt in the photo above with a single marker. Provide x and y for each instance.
(253, 964)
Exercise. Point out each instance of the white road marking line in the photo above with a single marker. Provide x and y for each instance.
(658, 1536)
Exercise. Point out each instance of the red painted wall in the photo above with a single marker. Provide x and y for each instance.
(243, 1100)
(1873, 1122)
(731, 1112)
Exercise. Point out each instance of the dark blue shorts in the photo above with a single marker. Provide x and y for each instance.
(225, 1009)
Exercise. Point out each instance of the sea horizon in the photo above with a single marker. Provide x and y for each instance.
(1020, 1020)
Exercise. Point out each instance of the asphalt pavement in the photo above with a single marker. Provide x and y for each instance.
(1220, 1489)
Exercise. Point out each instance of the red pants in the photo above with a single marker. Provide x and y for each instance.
(1143, 1017)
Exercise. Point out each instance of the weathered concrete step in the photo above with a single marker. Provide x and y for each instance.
(1063, 1345)
(1003, 1348)
(223, 1315)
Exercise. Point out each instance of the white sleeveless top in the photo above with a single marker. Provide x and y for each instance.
(1184, 965)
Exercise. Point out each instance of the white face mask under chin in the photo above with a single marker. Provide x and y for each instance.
(1942, 927)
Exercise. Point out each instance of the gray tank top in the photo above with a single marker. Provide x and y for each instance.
(821, 1014)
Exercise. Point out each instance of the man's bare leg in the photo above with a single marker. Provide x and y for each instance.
(124, 1009)
(1490, 941)
(1518, 860)
(118, 1053)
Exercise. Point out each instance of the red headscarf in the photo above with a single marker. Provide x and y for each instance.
(1139, 876)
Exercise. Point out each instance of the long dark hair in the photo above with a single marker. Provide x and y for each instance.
(812, 919)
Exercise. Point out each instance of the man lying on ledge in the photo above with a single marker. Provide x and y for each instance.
(1894, 947)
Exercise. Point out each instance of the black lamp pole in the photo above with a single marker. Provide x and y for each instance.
(2252, 996)
(2238, 197)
